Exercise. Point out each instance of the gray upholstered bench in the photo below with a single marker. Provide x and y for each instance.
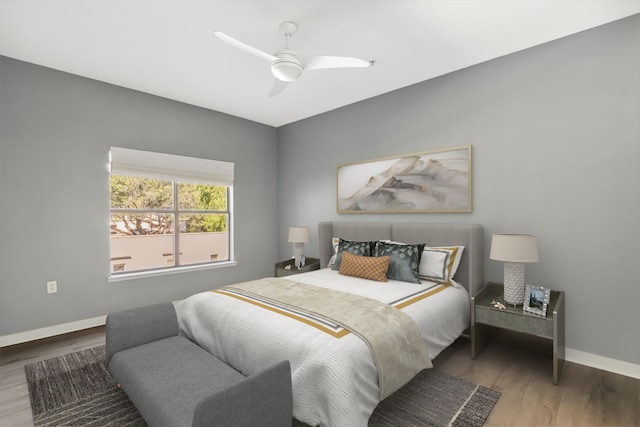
(174, 382)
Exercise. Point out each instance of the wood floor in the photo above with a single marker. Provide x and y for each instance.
(584, 396)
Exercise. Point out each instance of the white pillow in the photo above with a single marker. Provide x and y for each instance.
(440, 263)
(335, 241)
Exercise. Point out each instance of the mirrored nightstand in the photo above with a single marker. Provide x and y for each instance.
(288, 268)
(484, 317)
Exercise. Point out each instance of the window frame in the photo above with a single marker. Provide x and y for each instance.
(176, 177)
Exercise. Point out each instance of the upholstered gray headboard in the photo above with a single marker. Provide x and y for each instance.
(471, 270)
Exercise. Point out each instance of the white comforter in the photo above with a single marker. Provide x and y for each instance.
(335, 380)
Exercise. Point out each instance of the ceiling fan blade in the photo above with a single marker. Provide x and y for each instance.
(323, 62)
(278, 87)
(249, 49)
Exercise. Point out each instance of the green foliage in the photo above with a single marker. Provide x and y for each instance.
(205, 223)
(212, 197)
(203, 197)
(129, 192)
(155, 195)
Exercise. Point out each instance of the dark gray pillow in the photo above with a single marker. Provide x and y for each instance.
(405, 260)
(353, 247)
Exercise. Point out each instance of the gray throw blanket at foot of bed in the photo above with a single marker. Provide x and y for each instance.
(398, 350)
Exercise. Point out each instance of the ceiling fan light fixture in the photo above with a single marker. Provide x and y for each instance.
(286, 71)
(287, 67)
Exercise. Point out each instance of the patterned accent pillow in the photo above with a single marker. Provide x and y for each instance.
(440, 263)
(405, 260)
(366, 267)
(335, 241)
(353, 247)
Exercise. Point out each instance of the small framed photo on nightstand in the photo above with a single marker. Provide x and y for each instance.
(536, 300)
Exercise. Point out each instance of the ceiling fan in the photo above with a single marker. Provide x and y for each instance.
(287, 65)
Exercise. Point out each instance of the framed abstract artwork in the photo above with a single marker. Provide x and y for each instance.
(425, 182)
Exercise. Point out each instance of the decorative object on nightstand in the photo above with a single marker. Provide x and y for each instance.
(536, 300)
(514, 250)
(287, 268)
(299, 236)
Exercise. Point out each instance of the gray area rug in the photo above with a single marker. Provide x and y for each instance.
(76, 390)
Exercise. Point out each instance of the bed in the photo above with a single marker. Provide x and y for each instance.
(338, 374)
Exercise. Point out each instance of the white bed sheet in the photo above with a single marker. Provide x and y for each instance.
(447, 316)
(335, 381)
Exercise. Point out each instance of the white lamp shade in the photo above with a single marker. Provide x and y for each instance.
(299, 234)
(518, 248)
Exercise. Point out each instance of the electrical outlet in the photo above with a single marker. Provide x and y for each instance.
(52, 287)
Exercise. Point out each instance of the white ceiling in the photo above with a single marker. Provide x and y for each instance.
(167, 47)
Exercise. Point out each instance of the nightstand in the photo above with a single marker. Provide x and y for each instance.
(484, 317)
(282, 269)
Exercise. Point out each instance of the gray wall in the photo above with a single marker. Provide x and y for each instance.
(55, 134)
(556, 149)
(556, 153)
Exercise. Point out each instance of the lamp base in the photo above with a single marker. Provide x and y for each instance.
(514, 283)
(298, 255)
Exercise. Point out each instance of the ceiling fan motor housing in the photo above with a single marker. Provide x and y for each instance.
(287, 67)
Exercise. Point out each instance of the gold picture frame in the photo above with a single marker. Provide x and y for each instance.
(436, 181)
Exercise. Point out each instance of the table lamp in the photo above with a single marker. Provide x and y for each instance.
(515, 250)
(298, 236)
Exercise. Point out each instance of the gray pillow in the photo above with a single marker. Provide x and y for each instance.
(353, 247)
(405, 260)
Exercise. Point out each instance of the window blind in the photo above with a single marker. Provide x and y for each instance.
(125, 161)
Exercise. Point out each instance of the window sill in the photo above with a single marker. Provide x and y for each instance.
(154, 273)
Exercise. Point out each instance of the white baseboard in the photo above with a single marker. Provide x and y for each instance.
(51, 331)
(601, 362)
(593, 360)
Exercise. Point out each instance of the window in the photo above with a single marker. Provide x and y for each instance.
(168, 211)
